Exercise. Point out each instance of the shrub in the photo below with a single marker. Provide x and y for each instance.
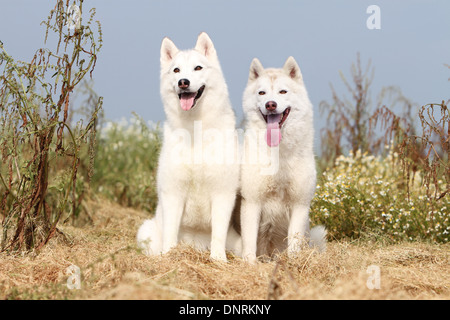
(365, 194)
(126, 162)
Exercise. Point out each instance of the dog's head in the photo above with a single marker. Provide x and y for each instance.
(272, 95)
(184, 74)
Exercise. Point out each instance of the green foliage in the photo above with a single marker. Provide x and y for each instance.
(363, 194)
(126, 163)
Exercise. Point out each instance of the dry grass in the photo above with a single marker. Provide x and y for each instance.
(112, 268)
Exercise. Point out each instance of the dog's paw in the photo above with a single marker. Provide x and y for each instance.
(296, 245)
(250, 258)
(219, 256)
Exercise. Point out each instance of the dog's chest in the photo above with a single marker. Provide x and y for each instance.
(278, 188)
(197, 211)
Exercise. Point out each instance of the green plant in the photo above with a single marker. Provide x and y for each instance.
(363, 194)
(126, 162)
(40, 151)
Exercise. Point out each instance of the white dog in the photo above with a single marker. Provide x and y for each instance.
(276, 193)
(198, 171)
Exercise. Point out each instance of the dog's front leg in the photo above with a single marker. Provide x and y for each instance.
(250, 217)
(221, 209)
(172, 207)
(298, 227)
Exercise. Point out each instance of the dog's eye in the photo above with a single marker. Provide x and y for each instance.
(198, 68)
(176, 70)
(261, 93)
(283, 92)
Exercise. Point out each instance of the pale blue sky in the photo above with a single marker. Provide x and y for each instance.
(409, 51)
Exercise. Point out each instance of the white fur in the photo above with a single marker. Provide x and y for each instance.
(198, 171)
(276, 194)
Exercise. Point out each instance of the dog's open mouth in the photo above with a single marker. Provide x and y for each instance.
(274, 124)
(188, 99)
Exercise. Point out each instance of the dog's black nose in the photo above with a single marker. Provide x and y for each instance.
(184, 83)
(271, 105)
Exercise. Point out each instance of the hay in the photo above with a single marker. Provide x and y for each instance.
(112, 268)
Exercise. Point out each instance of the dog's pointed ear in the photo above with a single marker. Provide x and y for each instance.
(292, 69)
(168, 51)
(205, 46)
(256, 70)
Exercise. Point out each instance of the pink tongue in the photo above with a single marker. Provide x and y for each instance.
(273, 130)
(187, 101)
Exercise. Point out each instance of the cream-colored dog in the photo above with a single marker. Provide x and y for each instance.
(278, 174)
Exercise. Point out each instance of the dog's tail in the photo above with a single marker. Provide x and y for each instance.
(318, 238)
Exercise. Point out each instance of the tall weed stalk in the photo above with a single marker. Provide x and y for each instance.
(40, 150)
